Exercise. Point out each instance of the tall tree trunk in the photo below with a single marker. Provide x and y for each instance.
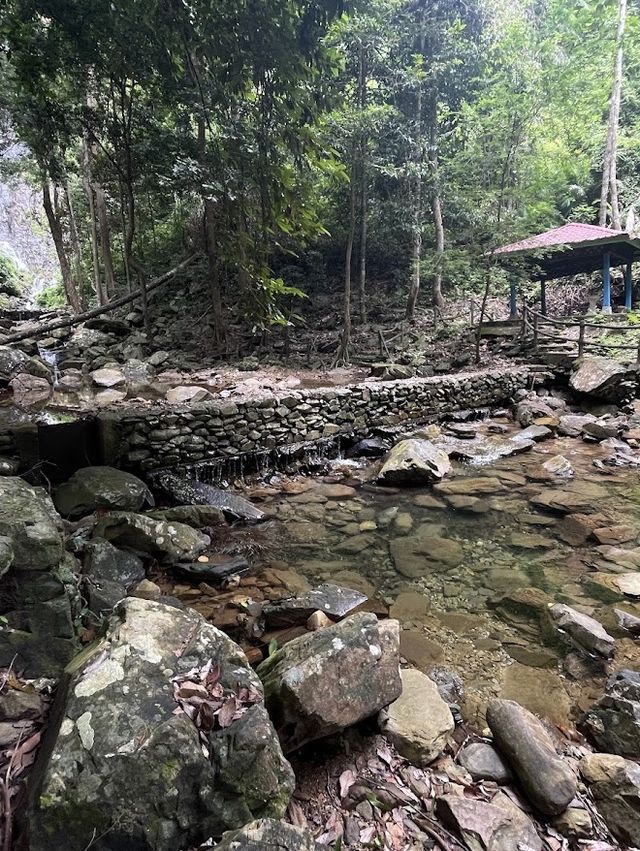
(342, 356)
(55, 226)
(416, 243)
(75, 243)
(105, 240)
(609, 169)
(93, 230)
(436, 201)
(211, 247)
(362, 100)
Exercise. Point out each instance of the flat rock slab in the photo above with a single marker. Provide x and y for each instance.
(614, 783)
(414, 462)
(268, 835)
(122, 753)
(417, 555)
(419, 721)
(334, 601)
(596, 375)
(325, 681)
(522, 740)
(583, 629)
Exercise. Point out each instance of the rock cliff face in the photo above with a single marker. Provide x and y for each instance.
(133, 761)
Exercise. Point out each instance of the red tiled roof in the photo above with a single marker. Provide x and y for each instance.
(574, 232)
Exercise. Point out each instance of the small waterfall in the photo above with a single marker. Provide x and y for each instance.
(51, 356)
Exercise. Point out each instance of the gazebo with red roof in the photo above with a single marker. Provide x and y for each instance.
(575, 248)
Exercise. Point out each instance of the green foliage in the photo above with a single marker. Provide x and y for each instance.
(12, 280)
(51, 296)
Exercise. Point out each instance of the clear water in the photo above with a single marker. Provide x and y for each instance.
(449, 610)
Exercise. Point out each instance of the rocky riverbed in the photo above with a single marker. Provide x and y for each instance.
(425, 645)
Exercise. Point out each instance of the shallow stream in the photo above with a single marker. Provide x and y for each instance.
(471, 584)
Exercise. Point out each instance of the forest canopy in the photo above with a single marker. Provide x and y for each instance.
(359, 147)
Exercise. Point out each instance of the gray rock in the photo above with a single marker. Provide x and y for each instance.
(522, 740)
(269, 835)
(197, 516)
(91, 488)
(613, 723)
(419, 721)
(583, 629)
(414, 462)
(327, 680)
(334, 601)
(30, 390)
(31, 525)
(105, 563)
(483, 762)
(614, 783)
(122, 770)
(488, 826)
(535, 433)
(596, 376)
(167, 542)
(532, 409)
(190, 492)
(6, 555)
(12, 361)
(190, 394)
(571, 425)
(108, 377)
(558, 466)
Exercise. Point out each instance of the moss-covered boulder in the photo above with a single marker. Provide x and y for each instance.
(166, 541)
(101, 487)
(132, 761)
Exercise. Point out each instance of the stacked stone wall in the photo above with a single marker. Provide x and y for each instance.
(148, 440)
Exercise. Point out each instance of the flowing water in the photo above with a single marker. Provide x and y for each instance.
(471, 584)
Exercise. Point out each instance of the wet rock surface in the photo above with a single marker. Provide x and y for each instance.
(127, 769)
(268, 835)
(161, 539)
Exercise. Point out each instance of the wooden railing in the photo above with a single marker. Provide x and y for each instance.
(535, 327)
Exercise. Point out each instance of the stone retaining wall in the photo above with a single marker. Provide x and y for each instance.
(152, 439)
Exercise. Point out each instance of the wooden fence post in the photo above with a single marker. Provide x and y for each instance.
(535, 332)
(581, 339)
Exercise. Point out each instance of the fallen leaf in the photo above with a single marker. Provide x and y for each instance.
(227, 714)
(346, 781)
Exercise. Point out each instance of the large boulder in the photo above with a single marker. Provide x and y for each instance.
(167, 542)
(613, 723)
(134, 761)
(30, 391)
(106, 563)
(414, 462)
(419, 721)
(30, 523)
(614, 783)
(268, 835)
(520, 737)
(327, 680)
(38, 636)
(101, 487)
(597, 376)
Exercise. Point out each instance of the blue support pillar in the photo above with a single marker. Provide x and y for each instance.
(628, 287)
(606, 283)
(543, 297)
(513, 302)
